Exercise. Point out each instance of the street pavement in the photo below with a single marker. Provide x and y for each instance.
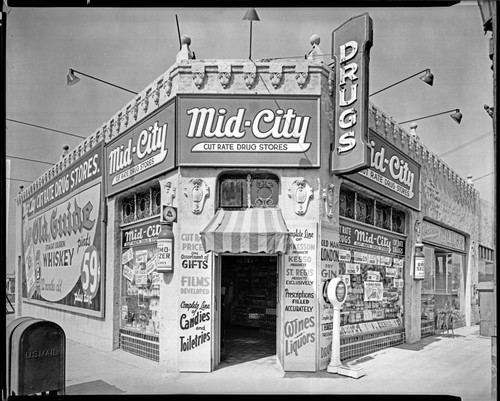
(437, 365)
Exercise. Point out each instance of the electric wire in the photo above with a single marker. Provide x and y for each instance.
(465, 144)
(48, 129)
(29, 160)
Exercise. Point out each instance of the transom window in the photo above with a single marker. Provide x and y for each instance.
(359, 207)
(247, 190)
(141, 205)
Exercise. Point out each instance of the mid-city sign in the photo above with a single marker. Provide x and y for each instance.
(146, 150)
(351, 50)
(248, 130)
(391, 173)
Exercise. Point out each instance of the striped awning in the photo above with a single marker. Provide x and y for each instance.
(250, 230)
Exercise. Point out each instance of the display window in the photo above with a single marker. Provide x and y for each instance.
(486, 265)
(140, 290)
(140, 283)
(443, 283)
(375, 287)
(371, 262)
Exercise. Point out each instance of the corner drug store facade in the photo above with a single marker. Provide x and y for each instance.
(156, 161)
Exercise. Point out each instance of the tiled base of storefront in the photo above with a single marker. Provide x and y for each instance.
(242, 346)
(357, 345)
(143, 345)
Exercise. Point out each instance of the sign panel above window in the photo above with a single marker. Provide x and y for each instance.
(143, 152)
(437, 235)
(391, 173)
(278, 131)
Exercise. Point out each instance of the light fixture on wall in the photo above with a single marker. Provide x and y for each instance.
(456, 116)
(72, 79)
(251, 15)
(428, 78)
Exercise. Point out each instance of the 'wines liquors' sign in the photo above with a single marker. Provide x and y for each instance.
(351, 50)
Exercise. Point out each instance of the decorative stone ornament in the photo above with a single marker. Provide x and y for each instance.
(275, 74)
(328, 198)
(198, 71)
(169, 194)
(224, 74)
(301, 74)
(418, 231)
(301, 193)
(168, 86)
(249, 74)
(135, 110)
(331, 82)
(197, 191)
(145, 102)
(156, 93)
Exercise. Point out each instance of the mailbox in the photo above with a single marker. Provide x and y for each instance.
(37, 358)
(10, 328)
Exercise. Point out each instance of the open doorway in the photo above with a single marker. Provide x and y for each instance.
(248, 312)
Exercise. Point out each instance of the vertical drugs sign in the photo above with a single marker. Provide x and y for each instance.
(351, 50)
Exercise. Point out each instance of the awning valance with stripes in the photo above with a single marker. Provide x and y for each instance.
(250, 230)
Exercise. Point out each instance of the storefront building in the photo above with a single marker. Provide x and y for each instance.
(217, 198)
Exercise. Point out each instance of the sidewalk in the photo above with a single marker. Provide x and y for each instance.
(438, 365)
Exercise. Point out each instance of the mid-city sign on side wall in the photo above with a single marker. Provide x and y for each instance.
(391, 173)
(351, 45)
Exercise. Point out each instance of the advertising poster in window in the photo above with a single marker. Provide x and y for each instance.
(141, 282)
(195, 304)
(329, 254)
(300, 303)
(62, 239)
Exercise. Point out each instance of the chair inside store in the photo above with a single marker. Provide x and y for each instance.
(248, 313)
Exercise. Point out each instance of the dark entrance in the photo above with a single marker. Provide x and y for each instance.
(248, 313)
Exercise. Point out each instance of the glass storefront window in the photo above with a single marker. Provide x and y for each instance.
(243, 190)
(443, 282)
(365, 209)
(486, 265)
(140, 288)
(375, 287)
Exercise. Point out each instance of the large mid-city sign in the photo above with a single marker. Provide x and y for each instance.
(391, 173)
(146, 150)
(62, 239)
(248, 131)
(351, 50)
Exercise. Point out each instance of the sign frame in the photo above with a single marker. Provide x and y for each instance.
(351, 43)
(377, 156)
(147, 171)
(97, 149)
(257, 159)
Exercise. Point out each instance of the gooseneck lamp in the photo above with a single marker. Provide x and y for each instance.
(72, 79)
(428, 78)
(456, 116)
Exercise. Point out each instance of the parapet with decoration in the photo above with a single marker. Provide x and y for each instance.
(291, 76)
